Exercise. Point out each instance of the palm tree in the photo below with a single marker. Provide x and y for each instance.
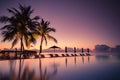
(19, 26)
(44, 31)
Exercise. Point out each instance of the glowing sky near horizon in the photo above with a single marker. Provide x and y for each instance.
(78, 23)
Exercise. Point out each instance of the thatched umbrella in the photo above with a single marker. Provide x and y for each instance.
(54, 47)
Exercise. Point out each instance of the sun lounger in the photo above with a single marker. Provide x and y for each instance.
(42, 56)
(63, 55)
(25, 56)
(72, 54)
(75, 55)
(82, 54)
(67, 54)
(87, 54)
(51, 55)
(36, 56)
(56, 55)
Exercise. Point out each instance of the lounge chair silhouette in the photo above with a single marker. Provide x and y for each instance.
(87, 54)
(36, 56)
(56, 55)
(75, 55)
(51, 55)
(67, 54)
(82, 54)
(63, 55)
(72, 54)
(42, 56)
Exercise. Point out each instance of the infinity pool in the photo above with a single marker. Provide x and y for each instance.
(62, 68)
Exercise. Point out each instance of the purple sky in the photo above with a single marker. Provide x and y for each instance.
(79, 23)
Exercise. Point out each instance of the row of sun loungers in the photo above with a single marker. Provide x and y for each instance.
(61, 55)
(50, 55)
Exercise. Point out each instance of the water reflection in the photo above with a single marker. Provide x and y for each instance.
(88, 59)
(20, 70)
(11, 75)
(45, 75)
(66, 62)
(25, 73)
(117, 57)
(83, 59)
(12, 64)
(63, 68)
(21, 62)
(75, 59)
(102, 58)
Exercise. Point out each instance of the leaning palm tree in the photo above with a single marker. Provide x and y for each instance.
(44, 32)
(19, 26)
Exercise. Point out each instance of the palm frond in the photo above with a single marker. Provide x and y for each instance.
(45, 39)
(51, 37)
(12, 11)
(14, 42)
(50, 30)
(4, 19)
(27, 42)
(8, 35)
(35, 35)
(26, 39)
(32, 39)
(16, 12)
(36, 18)
(42, 22)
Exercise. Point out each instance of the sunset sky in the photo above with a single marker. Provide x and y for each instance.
(78, 23)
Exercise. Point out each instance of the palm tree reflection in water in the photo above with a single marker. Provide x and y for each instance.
(75, 59)
(25, 73)
(82, 59)
(11, 75)
(66, 61)
(88, 59)
(44, 75)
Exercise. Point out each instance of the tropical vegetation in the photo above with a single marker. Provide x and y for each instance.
(19, 26)
(44, 32)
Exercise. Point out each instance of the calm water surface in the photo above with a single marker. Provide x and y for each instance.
(62, 68)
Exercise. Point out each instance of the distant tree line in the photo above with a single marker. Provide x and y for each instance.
(106, 48)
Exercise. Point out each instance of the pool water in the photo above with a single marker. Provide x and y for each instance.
(62, 68)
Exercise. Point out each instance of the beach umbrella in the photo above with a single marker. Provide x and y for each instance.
(55, 47)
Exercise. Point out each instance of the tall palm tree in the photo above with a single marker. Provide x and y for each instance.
(44, 31)
(19, 26)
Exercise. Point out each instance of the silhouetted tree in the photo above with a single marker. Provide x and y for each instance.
(116, 49)
(43, 32)
(102, 48)
(19, 26)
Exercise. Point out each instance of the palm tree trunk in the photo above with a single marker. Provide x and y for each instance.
(19, 74)
(40, 66)
(22, 46)
(41, 46)
(40, 49)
